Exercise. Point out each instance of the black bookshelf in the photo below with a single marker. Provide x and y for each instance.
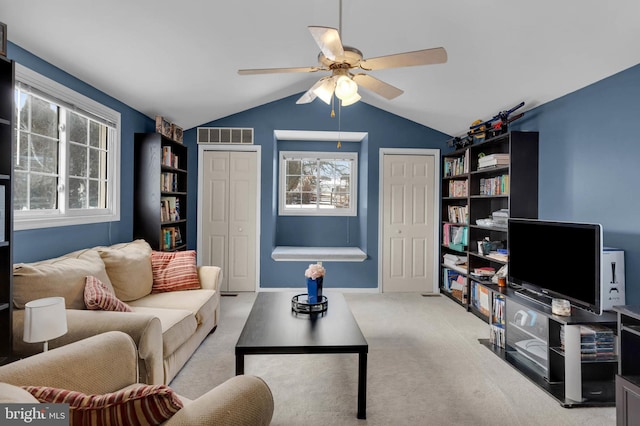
(149, 191)
(521, 199)
(6, 205)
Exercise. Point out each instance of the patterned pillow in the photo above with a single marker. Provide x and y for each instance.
(98, 296)
(140, 405)
(174, 271)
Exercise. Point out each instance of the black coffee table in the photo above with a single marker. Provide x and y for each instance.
(272, 328)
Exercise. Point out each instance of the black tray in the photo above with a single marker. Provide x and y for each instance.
(300, 304)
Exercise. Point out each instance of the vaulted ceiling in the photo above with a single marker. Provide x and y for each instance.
(180, 59)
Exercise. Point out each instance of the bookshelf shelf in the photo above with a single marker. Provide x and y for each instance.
(160, 192)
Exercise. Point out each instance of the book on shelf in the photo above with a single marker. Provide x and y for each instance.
(170, 209)
(454, 166)
(171, 237)
(502, 257)
(168, 182)
(458, 214)
(493, 160)
(458, 188)
(498, 185)
(169, 158)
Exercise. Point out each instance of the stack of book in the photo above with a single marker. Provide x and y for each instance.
(492, 160)
(458, 188)
(597, 343)
(455, 261)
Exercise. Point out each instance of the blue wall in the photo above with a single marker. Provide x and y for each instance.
(384, 130)
(37, 244)
(589, 153)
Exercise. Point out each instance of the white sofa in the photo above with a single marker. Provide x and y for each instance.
(166, 327)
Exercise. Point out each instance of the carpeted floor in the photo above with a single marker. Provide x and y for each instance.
(425, 367)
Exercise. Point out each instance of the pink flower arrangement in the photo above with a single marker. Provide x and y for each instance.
(314, 271)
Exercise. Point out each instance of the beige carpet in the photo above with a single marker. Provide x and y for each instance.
(426, 367)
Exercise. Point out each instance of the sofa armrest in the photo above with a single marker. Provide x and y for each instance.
(241, 400)
(210, 277)
(87, 366)
(144, 329)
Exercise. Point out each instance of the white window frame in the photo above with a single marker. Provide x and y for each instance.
(353, 194)
(66, 217)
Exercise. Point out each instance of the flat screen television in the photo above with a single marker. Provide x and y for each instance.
(557, 259)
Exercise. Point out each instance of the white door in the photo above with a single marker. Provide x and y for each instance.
(408, 228)
(229, 216)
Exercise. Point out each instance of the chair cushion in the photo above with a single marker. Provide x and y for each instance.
(62, 276)
(143, 404)
(201, 303)
(178, 325)
(99, 297)
(129, 268)
(174, 271)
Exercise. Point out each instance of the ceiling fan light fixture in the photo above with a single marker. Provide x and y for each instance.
(350, 101)
(345, 88)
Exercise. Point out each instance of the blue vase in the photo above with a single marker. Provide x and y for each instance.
(314, 289)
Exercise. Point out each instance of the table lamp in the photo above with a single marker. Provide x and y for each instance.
(44, 319)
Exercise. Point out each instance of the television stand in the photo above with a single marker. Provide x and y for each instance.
(534, 296)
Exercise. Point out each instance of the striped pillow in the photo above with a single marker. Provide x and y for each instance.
(140, 405)
(98, 296)
(174, 271)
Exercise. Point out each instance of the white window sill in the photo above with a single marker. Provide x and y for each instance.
(318, 254)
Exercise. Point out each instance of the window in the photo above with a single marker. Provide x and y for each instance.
(318, 183)
(66, 164)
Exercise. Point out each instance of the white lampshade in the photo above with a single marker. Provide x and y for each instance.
(44, 319)
(352, 100)
(325, 90)
(345, 87)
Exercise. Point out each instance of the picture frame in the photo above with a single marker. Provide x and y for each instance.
(3, 39)
(177, 133)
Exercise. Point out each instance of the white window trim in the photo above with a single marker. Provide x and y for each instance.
(47, 219)
(353, 208)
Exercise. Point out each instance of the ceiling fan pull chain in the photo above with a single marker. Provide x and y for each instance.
(339, 123)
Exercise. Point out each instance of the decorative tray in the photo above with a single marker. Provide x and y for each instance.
(300, 304)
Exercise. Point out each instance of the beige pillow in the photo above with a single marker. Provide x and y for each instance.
(129, 268)
(62, 276)
(10, 394)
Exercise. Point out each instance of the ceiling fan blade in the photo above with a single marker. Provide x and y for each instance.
(328, 39)
(377, 86)
(278, 70)
(437, 55)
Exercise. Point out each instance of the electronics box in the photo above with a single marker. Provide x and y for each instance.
(613, 283)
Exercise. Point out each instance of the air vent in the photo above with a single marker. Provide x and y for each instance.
(225, 135)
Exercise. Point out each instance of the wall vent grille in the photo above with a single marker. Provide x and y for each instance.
(225, 135)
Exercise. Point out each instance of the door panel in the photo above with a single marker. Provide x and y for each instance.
(229, 219)
(407, 223)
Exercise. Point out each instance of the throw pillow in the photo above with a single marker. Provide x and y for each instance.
(98, 296)
(62, 276)
(140, 405)
(174, 271)
(129, 268)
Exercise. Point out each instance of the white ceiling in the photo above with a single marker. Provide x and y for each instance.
(180, 59)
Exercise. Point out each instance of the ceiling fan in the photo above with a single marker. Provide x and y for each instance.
(342, 61)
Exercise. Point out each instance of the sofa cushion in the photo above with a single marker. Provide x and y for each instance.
(62, 276)
(129, 268)
(174, 271)
(143, 404)
(178, 325)
(200, 303)
(10, 394)
(98, 297)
